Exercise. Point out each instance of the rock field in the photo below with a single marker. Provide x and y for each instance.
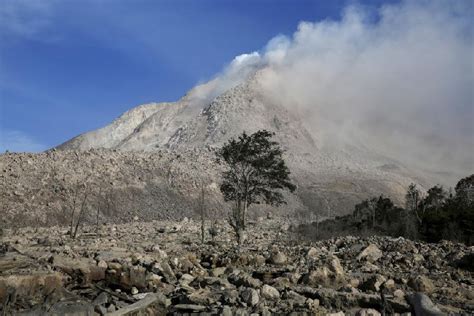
(161, 267)
(38, 189)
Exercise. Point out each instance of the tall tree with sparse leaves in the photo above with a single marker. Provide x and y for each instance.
(255, 173)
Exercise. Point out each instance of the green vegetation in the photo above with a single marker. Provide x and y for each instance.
(432, 217)
(255, 173)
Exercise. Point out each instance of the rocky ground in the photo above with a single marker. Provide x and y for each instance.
(157, 268)
(40, 189)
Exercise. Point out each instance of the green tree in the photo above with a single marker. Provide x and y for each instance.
(255, 173)
(465, 190)
(435, 198)
(412, 218)
(412, 198)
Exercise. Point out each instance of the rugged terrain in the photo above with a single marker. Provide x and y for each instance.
(162, 268)
(39, 189)
(153, 160)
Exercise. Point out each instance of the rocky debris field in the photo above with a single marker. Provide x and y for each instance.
(39, 189)
(159, 268)
(163, 184)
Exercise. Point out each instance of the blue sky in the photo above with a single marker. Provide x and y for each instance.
(70, 66)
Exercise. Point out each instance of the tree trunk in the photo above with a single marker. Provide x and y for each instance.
(240, 236)
(202, 214)
(238, 222)
(98, 212)
(81, 213)
(244, 214)
(73, 211)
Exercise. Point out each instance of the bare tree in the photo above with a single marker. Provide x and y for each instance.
(412, 200)
(76, 189)
(99, 201)
(80, 216)
(412, 218)
(372, 203)
(202, 213)
(213, 230)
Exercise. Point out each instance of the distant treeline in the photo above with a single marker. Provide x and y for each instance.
(436, 215)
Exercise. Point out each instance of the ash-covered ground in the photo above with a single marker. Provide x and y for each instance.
(159, 268)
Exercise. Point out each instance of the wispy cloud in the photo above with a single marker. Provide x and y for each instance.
(26, 18)
(18, 141)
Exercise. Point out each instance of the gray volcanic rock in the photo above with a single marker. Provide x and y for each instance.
(182, 274)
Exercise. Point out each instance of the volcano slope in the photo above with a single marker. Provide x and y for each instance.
(152, 161)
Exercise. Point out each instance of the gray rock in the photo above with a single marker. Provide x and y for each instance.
(371, 254)
(243, 279)
(423, 306)
(102, 264)
(157, 301)
(79, 308)
(111, 308)
(312, 254)
(331, 273)
(250, 296)
(278, 258)
(226, 311)
(335, 266)
(421, 283)
(189, 307)
(374, 283)
(269, 292)
(164, 269)
(368, 312)
(100, 309)
(101, 299)
(186, 279)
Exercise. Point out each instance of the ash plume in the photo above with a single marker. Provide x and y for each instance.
(398, 80)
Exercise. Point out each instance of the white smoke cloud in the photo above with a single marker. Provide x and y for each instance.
(236, 72)
(400, 80)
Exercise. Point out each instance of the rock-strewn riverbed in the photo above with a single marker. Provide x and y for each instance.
(159, 268)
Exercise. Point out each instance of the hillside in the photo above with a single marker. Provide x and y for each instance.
(154, 158)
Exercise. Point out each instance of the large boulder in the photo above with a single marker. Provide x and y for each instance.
(329, 274)
(421, 283)
(250, 296)
(374, 283)
(336, 267)
(243, 279)
(35, 285)
(278, 258)
(269, 292)
(368, 312)
(75, 308)
(312, 254)
(423, 306)
(371, 254)
(164, 269)
(82, 269)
